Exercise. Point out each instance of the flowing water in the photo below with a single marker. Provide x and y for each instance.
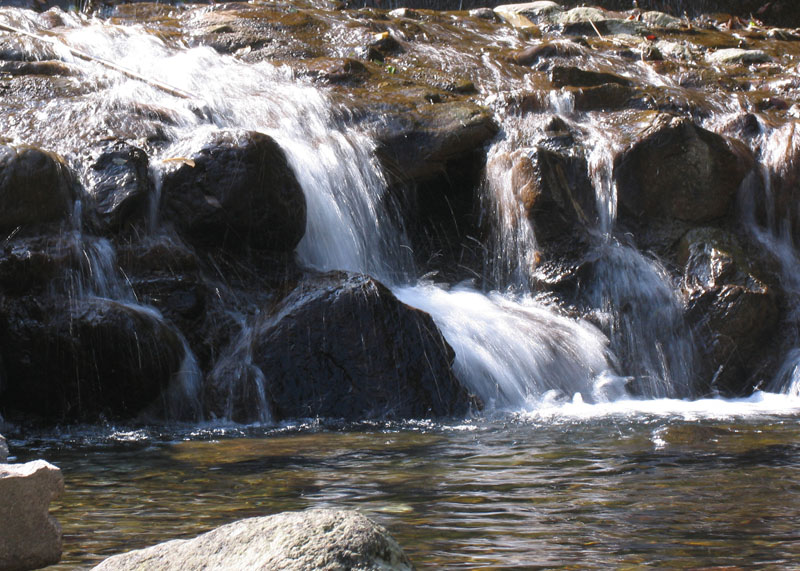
(583, 458)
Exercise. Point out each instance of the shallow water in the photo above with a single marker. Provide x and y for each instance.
(660, 484)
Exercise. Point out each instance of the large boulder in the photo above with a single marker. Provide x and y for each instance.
(339, 346)
(30, 537)
(36, 187)
(680, 170)
(118, 180)
(82, 359)
(238, 190)
(732, 308)
(314, 539)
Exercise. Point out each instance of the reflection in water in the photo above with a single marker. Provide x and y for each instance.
(681, 488)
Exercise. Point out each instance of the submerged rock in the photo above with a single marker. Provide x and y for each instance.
(340, 346)
(83, 359)
(36, 187)
(314, 539)
(237, 191)
(680, 170)
(31, 537)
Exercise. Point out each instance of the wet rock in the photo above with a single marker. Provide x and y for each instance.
(416, 145)
(29, 265)
(31, 537)
(340, 346)
(80, 359)
(529, 14)
(563, 76)
(3, 449)
(36, 187)
(736, 56)
(734, 312)
(546, 50)
(680, 170)
(314, 539)
(237, 191)
(483, 13)
(557, 196)
(583, 14)
(607, 97)
(36, 68)
(337, 70)
(119, 184)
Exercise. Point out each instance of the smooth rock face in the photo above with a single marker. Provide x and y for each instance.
(680, 170)
(29, 537)
(736, 56)
(36, 187)
(238, 190)
(341, 346)
(302, 541)
(3, 449)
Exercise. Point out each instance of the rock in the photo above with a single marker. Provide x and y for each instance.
(606, 97)
(31, 538)
(314, 539)
(661, 20)
(68, 359)
(680, 170)
(36, 68)
(736, 56)
(546, 50)
(529, 14)
(734, 312)
(119, 183)
(337, 70)
(583, 14)
(3, 449)
(483, 13)
(339, 346)
(563, 76)
(36, 187)
(418, 144)
(237, 191)
(557, 196)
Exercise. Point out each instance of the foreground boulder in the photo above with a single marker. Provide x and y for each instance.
(339, 346)
(30, 537)
(36, 187)
(315, 539)
(681, 171)
(237, 191)
(83, 359)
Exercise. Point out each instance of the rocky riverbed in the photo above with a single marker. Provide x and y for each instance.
(161, 257)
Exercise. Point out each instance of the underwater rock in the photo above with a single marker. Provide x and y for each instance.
(563, 76)
(680, 170)
(31, 537)
(237, 191)
(734, 312)
(68, 359)
(313, 539)
(36, 187)
(119, 184)
(340, 346)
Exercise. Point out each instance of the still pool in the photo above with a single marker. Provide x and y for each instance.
(678, 487)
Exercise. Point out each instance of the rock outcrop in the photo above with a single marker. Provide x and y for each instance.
(30, 537)
(340, 346)
(314, 539)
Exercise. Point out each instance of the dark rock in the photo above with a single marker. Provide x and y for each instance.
(563, 76)
(557, 195)
(546, 50)
(680, 170)
(83, 360)
(337, 70)
(36, 187)
(734, 312)
(119, 183)
(29, 265)
(237, 191)
(36, 68)
(418, 145)
(606, 97)
(340, 346)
